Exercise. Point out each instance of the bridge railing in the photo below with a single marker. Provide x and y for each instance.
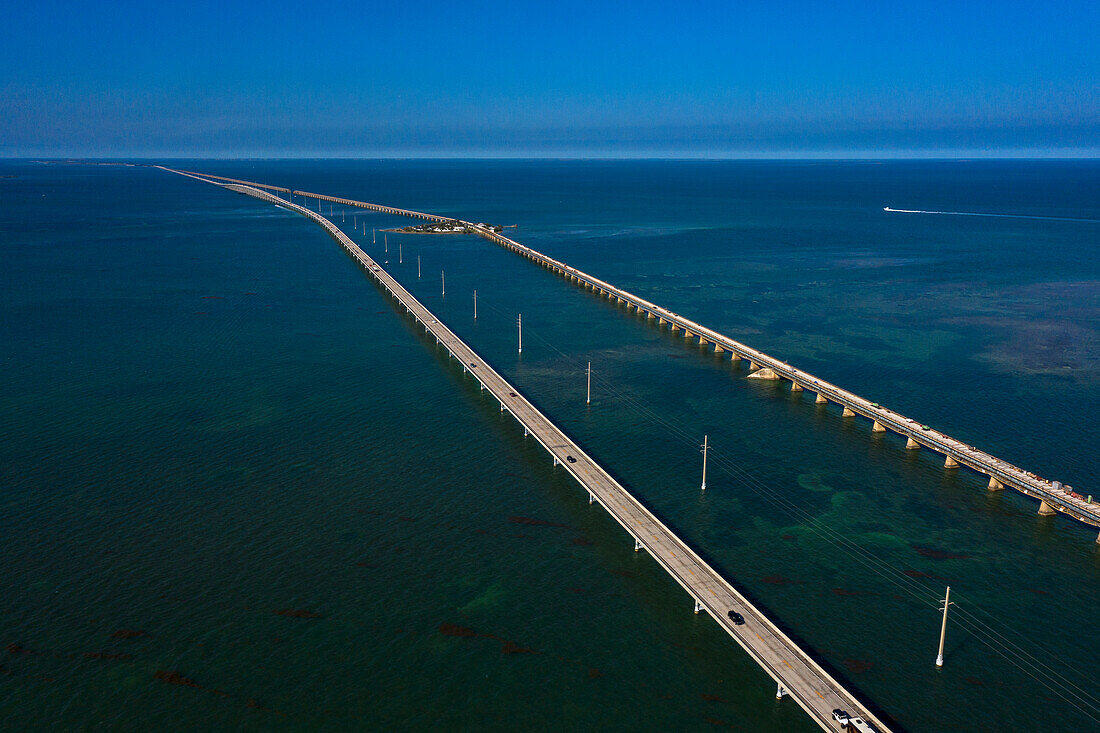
(974, 458)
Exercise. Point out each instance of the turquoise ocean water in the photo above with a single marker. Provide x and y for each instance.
(238, 490)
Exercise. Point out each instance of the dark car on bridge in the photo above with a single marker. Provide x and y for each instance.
(736, 618)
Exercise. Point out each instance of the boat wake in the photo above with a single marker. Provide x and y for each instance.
(995, 216)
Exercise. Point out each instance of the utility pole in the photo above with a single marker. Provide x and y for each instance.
(475, 305)
(943, 627)
(588, 400)
(706, 447)
(519, 323)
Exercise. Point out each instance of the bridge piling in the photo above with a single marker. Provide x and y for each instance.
(814, 689)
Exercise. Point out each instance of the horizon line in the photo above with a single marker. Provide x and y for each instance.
(860, 156)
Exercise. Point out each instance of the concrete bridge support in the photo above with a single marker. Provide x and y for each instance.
(718, 349)
(847, 412)
(765, 373)
(1024, 482)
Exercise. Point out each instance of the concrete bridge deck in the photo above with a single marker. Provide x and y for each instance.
(1053, 497)
(796, 673)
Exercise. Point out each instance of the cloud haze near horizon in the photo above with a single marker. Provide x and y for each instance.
(528, 79)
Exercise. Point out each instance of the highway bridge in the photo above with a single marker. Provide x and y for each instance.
(794, 671)
(1053, 496)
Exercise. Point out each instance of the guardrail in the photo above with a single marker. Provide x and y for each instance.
(1002, 471)
(1009, 475)
(554, 440)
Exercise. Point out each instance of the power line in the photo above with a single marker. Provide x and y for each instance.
(1013, 653)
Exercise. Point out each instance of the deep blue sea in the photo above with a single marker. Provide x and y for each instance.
(239, 490)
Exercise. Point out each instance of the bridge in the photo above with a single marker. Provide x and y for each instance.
(794, 671)
(1053, 496)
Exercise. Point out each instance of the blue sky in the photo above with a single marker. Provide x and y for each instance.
(687, 79)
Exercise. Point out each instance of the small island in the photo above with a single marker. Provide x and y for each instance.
(451, 226)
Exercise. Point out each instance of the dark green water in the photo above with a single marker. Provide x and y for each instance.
(222, 439)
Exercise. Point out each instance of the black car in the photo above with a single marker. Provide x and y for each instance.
(736, 618)
(571, 459)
